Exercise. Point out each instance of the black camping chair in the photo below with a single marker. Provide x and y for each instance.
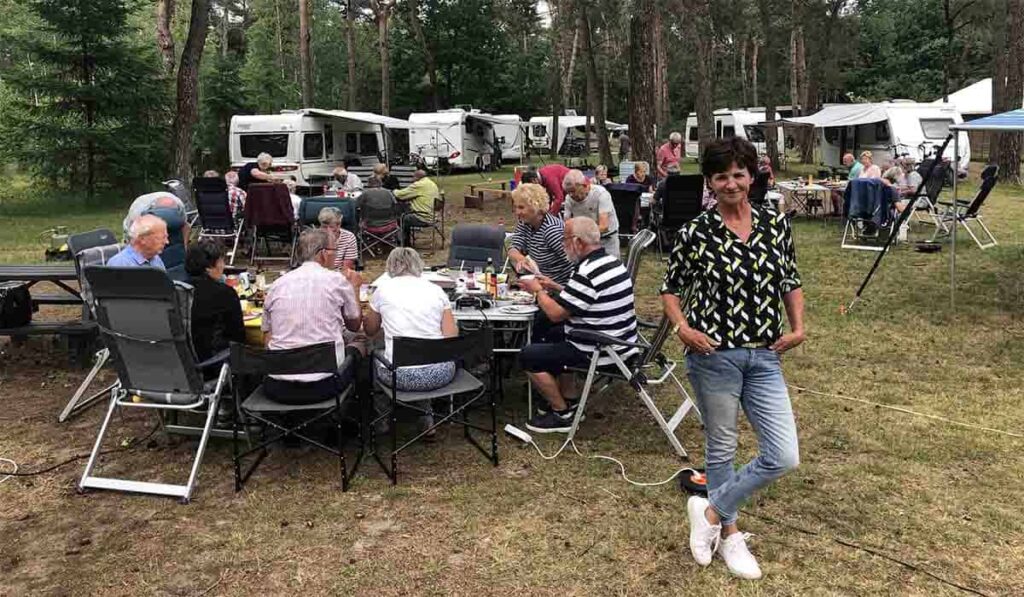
(309, 212)
(474, 244)
(966, 212)
(215, 218)
(759, 190)
(145, 322)
(173, 254)
(465, 392)
(681, 202)
(270, 215)
(258, 408)
(626, 200)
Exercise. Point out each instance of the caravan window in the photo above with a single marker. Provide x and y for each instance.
(368, 144)
(253, 145)
(693, 134)
(312, 146)
(728, 131)
(832, 135)
(540, 130)
(935, 128)
(881, 131)
(329, 139)
(351, 142)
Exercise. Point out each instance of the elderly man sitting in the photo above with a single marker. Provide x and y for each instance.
(346, 251)
(345, 180)
(598, 297)
(595, 202)
(309, 305)
(148, 237)
(419, 196)
(258, 171)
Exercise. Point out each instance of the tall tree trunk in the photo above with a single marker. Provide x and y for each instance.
(594, 98)
(754, 49)
(164, 37)
(560, 13)
(188, 90)
(305, 59)
(225, 17)
(1010, 95)
(280, 37)
(660, 74)
(702, 32)
(767, 8)
(382, 11)
(744, 88)
(350, 48)
(641, 80)
(430, 62)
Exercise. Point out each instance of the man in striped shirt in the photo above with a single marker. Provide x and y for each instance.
(599, 298)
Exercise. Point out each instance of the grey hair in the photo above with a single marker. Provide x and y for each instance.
(573, 178)
(675, 137)
(642, 165)
(144, 226)
(373, 182)
(311, 242)
(264, 159)
(586, 230)
(330, 215)
(404, 261)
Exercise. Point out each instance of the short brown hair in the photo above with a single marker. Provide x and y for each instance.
(722, 153)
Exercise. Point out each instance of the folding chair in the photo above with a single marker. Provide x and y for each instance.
(380, 224)
(637, 246)
(867, 205)
(682, 202)
(474, 244)
(928, 202)
(271, 218)
(626, 200)
(215, 218)
(645, 371)
(258, 408)
(469, 351)
(173, 254)
(177, 188)
(144, 319)
(965, 212)
(759, 190)
(309, 212)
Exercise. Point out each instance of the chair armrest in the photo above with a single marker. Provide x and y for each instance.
(601, 339)
(647, 325)
(217, 359)
(378, 355)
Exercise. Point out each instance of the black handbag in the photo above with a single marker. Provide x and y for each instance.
(15, 304)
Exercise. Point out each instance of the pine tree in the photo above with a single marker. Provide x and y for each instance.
(90, 113)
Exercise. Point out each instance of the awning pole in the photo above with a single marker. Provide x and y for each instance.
(956, 218)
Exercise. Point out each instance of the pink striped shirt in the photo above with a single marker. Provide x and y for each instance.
(306, 306)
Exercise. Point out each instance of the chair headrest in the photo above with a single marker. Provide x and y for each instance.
(129, 282)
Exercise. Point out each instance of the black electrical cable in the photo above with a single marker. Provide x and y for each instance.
(81, 456)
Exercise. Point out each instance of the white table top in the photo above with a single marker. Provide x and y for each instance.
(492, 314)
(795, 186)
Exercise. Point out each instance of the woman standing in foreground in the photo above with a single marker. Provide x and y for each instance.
(737, 265)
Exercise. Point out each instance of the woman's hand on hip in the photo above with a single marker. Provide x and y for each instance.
(787, 341)
(698, 342)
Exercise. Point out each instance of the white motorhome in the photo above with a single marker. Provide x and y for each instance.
(572, 130)
(454, 138)
(511, 135)
(308, 144)
(886, 129)
(746, 124)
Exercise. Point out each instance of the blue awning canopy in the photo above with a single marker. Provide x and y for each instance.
(1007, 121)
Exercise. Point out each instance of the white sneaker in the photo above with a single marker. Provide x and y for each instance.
(704, 536)
(738, 558)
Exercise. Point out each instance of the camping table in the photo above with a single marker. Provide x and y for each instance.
(56, 274)
(802, 196)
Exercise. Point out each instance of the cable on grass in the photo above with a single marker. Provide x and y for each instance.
(910, 412)
(12, 473)
(869, 550)
(622, 467)
(131, 444)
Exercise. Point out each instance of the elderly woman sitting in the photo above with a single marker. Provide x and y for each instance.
(347, 248)
(537, 246)
(641, 175)
(388, 180)
(216, 311)
(407, 305)
(601, 175)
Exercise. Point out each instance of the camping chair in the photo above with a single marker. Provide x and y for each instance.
(258, 408)
(680, 203)
(270, 216)
(470, 351)
(928, 202)
(868, 214)
(215, 218)
(309, 212)
(759, 190)
(435, 224)
(380, 226)
(474, 244)
(144, 320)
(173, 254)
(626, 200)
(89, 248)
(965, 212)
(637, 246)
(177, 188)
(643, 373)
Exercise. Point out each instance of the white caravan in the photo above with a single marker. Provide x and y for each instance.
(308, 144)
(571, 133)
(454, 138)
(886, 129)
(511, 135)
(745, 124)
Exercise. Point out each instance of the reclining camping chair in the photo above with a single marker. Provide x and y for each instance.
(928, 200)
(680, 203)
(89, 248)
(634, 254)
(145, 321)
(473, 244)
(177, 188)
(626, 200)
(471, 351)
(759, 190)
(309, 212)
(270, 217)
(380, 225)
(965, 212)
(868, 214)
(173, 254)
(643, 373)
(215, 218)
(290, 420)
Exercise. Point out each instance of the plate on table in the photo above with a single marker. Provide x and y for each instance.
(518, 309)
(519, 297)
(252, 316)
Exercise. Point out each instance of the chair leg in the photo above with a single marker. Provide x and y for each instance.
(73, 407)
(394, 438)
(211, 416)
(99, 440)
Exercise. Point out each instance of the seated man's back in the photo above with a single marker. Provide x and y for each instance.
(599, 296)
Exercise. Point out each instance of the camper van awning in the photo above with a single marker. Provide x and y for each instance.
(368, 117)
(844, 115)
(1007, 121)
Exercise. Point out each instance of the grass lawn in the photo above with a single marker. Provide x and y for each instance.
(944, 499)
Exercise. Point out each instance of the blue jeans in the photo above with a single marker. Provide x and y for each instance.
(724, 381)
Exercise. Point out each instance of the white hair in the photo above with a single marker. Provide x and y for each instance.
(586, 230)
(330, 215)
(573, 178)
(144, 226)
(264, 159)
(404, 261)
(311, 242)
(675, 137)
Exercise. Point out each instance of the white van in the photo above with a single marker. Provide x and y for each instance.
(887, 130)
(511, 134)
(572, 131)
(308, 144)
(455, 138)
(745, 124)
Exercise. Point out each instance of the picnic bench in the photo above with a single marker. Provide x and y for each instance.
(404, 174)
(80, 335)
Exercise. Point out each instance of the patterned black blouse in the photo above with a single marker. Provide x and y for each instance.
(736, 287)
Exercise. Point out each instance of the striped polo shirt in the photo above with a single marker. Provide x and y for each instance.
(544, 245)
(599, 298)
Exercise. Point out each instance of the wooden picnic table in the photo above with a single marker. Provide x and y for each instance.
(57, 274)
